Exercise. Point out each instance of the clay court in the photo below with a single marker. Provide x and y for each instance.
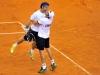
(75, 37)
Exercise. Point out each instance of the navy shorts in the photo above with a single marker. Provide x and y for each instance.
(42, 43)
(31, 35)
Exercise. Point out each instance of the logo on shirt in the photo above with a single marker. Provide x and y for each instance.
(47, 25)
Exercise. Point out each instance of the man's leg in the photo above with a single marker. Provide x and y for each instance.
(53, 64)
(49, 53)
(26, 37)
(47, 48)
(43, 65)
(40, 46)
(33, 34)
(31, 52)
(13, 47)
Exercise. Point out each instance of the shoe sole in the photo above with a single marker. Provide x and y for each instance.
(43, 71)
(52, 69)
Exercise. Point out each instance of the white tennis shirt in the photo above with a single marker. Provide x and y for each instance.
(36, 16)
(43, 29)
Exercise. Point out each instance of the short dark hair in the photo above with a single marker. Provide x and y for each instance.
(44, 4)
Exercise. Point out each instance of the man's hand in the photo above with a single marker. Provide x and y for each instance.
(26, 28)
(47, 15)
(35, 22)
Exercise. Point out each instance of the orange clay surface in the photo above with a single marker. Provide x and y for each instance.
(75, 32)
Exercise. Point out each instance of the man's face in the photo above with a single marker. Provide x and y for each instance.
(45, 8)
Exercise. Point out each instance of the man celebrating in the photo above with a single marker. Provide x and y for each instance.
(43, 36)
(39, 33)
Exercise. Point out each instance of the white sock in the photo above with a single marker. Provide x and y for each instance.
(52, 61)
(44, 65)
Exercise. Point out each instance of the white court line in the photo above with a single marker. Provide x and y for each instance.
(67, 57)
(8, 22)
(82, 68)
(6, 33)
(12, 33)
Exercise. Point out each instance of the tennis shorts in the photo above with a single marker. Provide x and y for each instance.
(42, 43)
(31, 36)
